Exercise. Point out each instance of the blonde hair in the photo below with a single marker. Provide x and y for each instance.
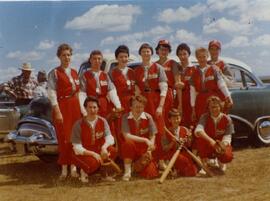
(201, 49)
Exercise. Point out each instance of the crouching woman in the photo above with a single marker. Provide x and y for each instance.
(92, 140)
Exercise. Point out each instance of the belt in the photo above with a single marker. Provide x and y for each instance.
(66, 97)
(148, 90)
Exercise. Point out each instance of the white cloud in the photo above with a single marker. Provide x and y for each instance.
(225, 4)
(105, 17)
(238, 41)
(263, 40)
(264, 53)
(184, 36)
(25, 56)
(156, 32)
(78, 59)
(46, 44)
(226, 26)
(181, 14)
(6, 73)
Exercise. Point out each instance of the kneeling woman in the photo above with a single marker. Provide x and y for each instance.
(92, 140)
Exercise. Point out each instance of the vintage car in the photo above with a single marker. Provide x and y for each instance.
(251, 109)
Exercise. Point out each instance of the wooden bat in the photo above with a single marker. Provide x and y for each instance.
(194, 157)
(169, 167)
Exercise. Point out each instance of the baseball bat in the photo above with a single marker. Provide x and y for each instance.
(195, 158)
(169, 167)
(115, 167)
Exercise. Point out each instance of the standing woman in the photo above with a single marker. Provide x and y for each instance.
(183, 52)
(63, 87)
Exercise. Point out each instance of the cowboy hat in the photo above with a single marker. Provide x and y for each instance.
(26, 66)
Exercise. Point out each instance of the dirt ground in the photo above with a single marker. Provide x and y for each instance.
(26, 178)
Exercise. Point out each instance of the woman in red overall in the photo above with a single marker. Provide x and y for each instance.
(172, 71)
(63, 87)
(183, 52)
(205, 82)
(184, 164)
(151, 80)
(139, 130)
(123, 80)
(214, 125)
(97, 83)
(92, 140)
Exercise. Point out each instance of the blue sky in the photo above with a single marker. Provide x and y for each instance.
(31, 31)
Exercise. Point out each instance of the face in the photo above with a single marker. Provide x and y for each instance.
(65, 57)
(214, 52)
(175, 121)
(163, 52)
(92, 108)
(214, 108)
(26, 74)
(96, 61)
(137, 107)
(183, 55)
(202, 58)
(146, 54)
(122, 59)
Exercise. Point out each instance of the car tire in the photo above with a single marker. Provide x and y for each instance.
(242, 137)
(48, 158)
(262, 132)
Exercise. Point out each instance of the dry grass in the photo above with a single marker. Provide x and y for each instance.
(27, 178)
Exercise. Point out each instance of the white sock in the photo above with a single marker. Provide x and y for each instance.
(127, 169)
(83, 174)
(64, 170)
(73, 168)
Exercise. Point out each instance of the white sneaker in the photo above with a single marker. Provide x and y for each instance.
(222, 166)
(202, 172)
(213, 162)
(74, 173)
(126, 177)
(84, 179)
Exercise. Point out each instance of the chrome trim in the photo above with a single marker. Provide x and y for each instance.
(251, 126)
(258, 131)
(260, 118)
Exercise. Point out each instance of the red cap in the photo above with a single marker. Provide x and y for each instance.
(214, 43)
(164, 42)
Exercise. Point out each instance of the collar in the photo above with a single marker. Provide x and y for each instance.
(142, 116)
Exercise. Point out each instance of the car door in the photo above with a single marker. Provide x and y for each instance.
(251, 98)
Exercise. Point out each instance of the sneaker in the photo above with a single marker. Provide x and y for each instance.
(84, 179)
(74, 173)
(126, 177)
(222, 166)
(108, 178)
(213, 162)
(202, 172)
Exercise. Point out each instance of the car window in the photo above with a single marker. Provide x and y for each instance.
(237, 79)
(250, 82)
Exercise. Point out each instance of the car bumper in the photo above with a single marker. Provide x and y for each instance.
(26, 145)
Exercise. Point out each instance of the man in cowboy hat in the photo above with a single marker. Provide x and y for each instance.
(21, 87)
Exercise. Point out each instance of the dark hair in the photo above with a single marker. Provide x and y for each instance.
(121, 49)
(138, 98)
(63, 47)
(174, 112)
(146, 46)
(163, 43)
(95, 52)
(90, 99)
(183, 46)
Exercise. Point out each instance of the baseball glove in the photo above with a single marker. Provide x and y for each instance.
(142, 162)
(220, 147)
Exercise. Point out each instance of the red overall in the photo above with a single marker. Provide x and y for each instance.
(220, 64)
(205, 150)
(205, 89)
(91, 90)
(70, 109)
(150, 89)
(92, 140)
(134, 150)
(184, 163)
(170, 99)
(186, 106)
(125, 90)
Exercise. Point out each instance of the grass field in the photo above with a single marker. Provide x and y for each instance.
(26, 178)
